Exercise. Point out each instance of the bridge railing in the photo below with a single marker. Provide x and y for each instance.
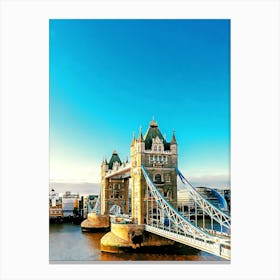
(219, 216)
(177, 227)
(173, 215)
(210, 247)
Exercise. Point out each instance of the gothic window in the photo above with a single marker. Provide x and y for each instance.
(159, 148)
(158, 178)
(155, 148)
(167, 178)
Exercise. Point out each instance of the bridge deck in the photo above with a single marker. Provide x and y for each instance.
(215, 249)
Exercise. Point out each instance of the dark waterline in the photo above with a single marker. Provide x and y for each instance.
(67, 243)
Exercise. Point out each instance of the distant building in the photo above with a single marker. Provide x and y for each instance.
(69, 203)
(226, 193)
(215, 197)
(184, 201)
(55, 206)
(55, 212)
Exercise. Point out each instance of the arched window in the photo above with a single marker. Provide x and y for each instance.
(155, 148)
(159, 148)
(168, 178)
(158, 178)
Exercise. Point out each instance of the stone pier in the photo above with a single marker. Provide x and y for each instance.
(126, 237)
(96, 222)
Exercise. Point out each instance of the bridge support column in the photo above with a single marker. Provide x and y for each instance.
(96, 222)
(128, 237)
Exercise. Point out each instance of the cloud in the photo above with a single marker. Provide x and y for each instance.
(83, 188)
(214, 181)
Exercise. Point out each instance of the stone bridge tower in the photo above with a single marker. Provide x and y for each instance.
(160, 159)
(114, 189)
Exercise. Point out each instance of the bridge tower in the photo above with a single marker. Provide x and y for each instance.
(114, 189)
(159, 158)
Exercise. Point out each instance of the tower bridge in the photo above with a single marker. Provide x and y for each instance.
(152, 176)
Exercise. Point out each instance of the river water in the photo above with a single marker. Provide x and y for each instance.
(67, 243)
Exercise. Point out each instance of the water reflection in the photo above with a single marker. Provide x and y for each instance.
(68, 243)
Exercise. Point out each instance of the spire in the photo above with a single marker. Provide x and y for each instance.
(173, 140)
(133, 139)
(153, 123)
(104, 161)
(140, 137)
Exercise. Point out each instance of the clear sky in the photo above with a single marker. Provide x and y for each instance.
(108, 77)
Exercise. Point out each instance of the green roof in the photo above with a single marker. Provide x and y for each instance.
(113, 159)
(153, 132)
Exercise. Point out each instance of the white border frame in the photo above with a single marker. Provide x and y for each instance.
(254, 129)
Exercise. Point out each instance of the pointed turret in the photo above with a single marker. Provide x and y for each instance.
(173, 140)
(133, 139)
(173, 144)
(153, 123)
(103, 161)
(140, 137)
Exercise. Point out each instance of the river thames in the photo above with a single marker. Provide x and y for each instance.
(67, 243)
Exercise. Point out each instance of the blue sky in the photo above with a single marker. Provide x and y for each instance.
(108, 77)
